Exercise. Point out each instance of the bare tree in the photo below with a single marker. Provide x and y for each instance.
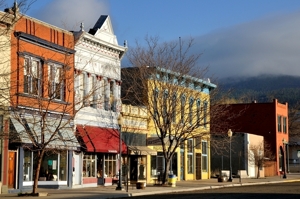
(294, 121)
(260, 155)
(165, 79)
(37, 102)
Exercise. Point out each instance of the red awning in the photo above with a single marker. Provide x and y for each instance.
(97, 139)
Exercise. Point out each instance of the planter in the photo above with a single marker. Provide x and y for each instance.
(222, 179)
(140, 185)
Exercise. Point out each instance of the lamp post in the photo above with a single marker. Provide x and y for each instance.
(298, 155)
(284, 158)
(230, 171)
(120, 122)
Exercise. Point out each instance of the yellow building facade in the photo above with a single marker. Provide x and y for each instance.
(178, 122)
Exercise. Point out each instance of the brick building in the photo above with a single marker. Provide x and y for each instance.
(267, 119)
(37, 108)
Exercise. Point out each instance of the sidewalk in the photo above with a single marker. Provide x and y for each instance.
(102, 192)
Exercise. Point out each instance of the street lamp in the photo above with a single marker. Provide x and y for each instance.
(284, 158)
(230, 171)
(120, 122)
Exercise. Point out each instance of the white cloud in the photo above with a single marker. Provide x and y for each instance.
(68, 14)
(266, 46)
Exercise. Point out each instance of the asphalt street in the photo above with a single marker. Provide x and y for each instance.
(266, 191)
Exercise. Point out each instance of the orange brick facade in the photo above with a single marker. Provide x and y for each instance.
(261, 119)
(48, 44)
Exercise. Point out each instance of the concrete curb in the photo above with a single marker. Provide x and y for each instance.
(209, 187)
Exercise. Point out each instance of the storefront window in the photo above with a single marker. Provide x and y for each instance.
(190, 156)
(63, 166)
(204, 157)
(173, 165)
(142, 168)
(89, 165)
(153, 166)
(110, 169)
(1, 144)
(53, 166)
(158, 164)
(49, 166)
(27, 166)
(100, 166)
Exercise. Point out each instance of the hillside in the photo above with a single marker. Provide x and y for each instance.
(264, 88)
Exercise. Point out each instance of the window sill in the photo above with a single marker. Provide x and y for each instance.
(42, 98)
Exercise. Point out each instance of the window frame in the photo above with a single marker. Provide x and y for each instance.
(29, 81)
(52, 78)
(204, 164)
(182, 108)
(205, 107)
(198, 104)
(284, 125)
(190, 156)
(279, 124)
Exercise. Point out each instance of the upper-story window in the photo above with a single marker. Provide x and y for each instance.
(205, 121)
(165, 97)
(56, 81)
(182, 107)
(279, 127)
(198, 111)
(32, 76)
(204, 157)
(191, 110)
(284, 125)
(92, 91)
(174, 98)
(155, 102)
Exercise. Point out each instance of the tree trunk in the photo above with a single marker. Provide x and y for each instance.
(257, 176)
(166, 172)
(37, 171)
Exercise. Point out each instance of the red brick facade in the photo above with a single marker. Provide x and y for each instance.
(260, 119)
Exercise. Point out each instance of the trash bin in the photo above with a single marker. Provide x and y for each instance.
(172, 180)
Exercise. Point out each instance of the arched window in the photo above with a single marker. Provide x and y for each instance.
(191, 110)
(182, 108)
(205, 104)
(198, 111)
(155, 103)
(174, 98)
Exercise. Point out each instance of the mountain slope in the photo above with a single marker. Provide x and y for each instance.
(264, 88)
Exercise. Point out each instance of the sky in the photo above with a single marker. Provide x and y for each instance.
(235, 37)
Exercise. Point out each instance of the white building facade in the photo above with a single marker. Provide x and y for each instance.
(97, 87)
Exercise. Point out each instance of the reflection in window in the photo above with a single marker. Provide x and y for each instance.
(110, 169)
(190, 156)
(32, 76)
(89, 166)
(191, 110)
(174, 98)
(198, 112)
(63, 166)
(49, 166)
(204, 157)
(284, 125)
(205, 115)
(27, 172)
(182, 109)
(279, 123)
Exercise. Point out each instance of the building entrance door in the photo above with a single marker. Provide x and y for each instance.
(11, 169)
(198, 166)
(181, 165)
(77, 169)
